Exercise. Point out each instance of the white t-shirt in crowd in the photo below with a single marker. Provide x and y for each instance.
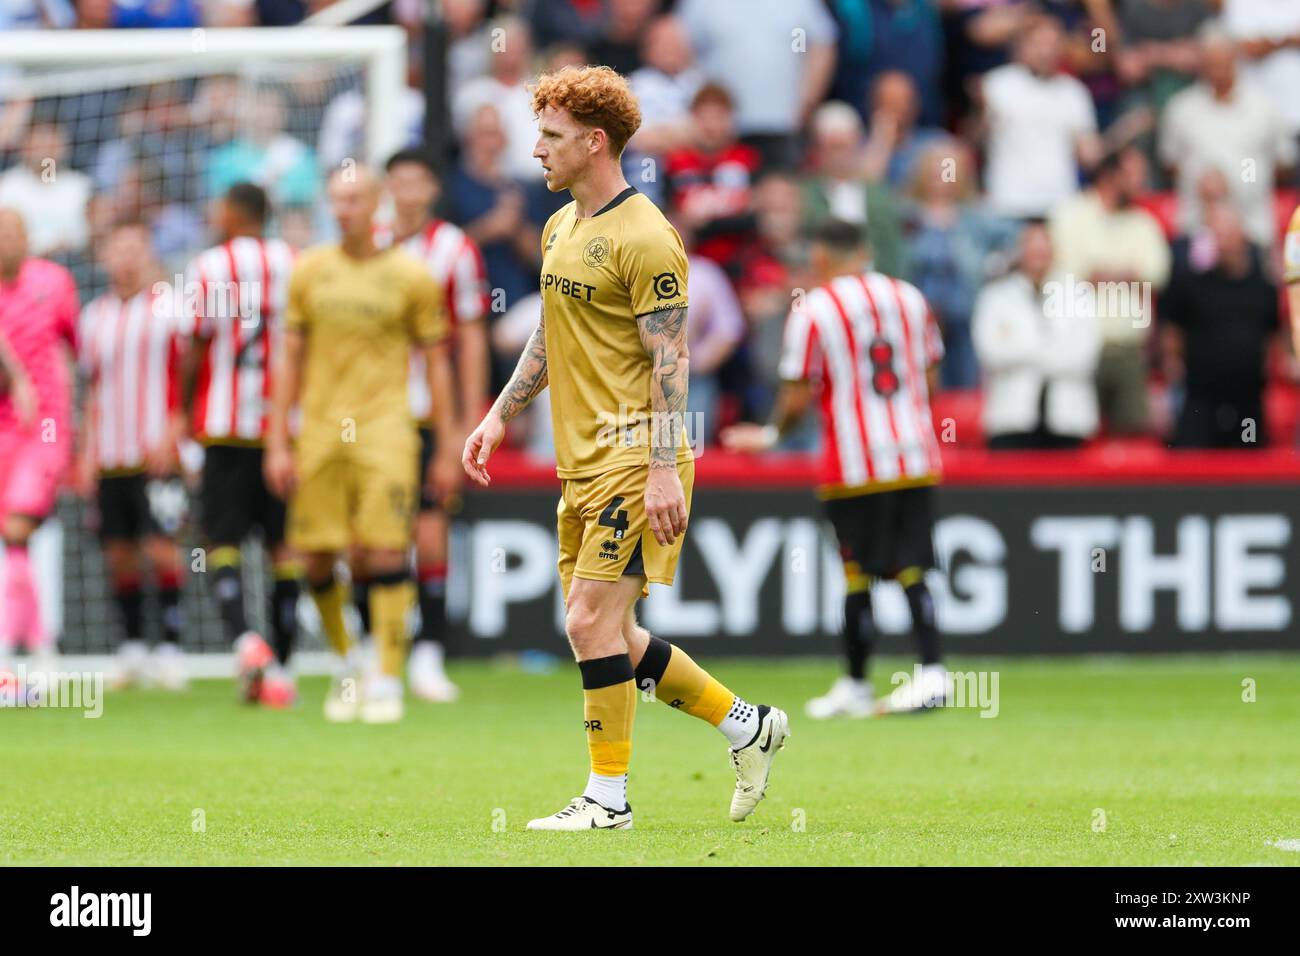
(1243, 137)
(54, 207)
(1278, 74)
(1034, 125)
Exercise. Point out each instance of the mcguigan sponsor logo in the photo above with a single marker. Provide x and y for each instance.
(133, 910)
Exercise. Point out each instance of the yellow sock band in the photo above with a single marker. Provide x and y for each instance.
(608, 710)
(909, 576)
(225, 556)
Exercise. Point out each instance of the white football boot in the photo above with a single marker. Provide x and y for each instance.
(168, 667)
(343, 700)
(584, 813)
(753, 763)
(381, 700)
(846, 698)
(428, 678)
(934, 689)
(129, 668)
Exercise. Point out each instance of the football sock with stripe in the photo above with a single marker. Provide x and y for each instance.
(228, 589)
(609, 708)
(169, 604)
(921, 605)
(859, 624)
(391, 598)
(328, 595)
(683, 685)
(283, 611)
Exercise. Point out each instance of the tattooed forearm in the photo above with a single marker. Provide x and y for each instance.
(529, 378)
(663, 335)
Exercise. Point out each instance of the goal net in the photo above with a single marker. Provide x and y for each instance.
(151, 125)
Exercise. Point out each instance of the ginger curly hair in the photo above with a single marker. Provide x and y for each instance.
(595, 96)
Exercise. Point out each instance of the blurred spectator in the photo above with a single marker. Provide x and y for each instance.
(1157, 52)
(495, 211)
(619, 43)
(564, 21)
(950, 242)
(881, 36)
(142, 14)
(468, 41)
(1103, 239)
(715, 328)
(51, 197)
(710, 180)
(1040, 126)
(665, 86)
(776, 57)
(895, 140)
(266, 155)
(1038, 349)
(37, 14)
(1222, 315)
(506, 88)
(1268, 35)
(94, 14)
(154, 124)
(343, 124)
(1222, 123)
(836, 189)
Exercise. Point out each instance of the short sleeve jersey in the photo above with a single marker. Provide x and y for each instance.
(361, 317)
(599, 275)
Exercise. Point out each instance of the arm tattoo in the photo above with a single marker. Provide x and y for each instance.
(663, 335)
(529, 378)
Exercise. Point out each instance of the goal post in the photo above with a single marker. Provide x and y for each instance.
(206, 51)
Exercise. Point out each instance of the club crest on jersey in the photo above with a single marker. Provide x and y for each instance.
(667, 286)
(596, 252)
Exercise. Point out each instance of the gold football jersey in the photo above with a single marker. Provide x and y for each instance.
(361, 318)
(598, 275)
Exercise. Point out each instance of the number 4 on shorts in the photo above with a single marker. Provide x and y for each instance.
(612, 517)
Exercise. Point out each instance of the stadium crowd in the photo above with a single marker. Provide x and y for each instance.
(1091, 194)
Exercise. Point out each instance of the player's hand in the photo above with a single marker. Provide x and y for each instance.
(444, 477)
(480, 445)
(665, 504)
(279, 472)
(747, 437)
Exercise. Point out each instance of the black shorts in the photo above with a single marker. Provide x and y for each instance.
(235, 499)
(885, 532)
(124, 512)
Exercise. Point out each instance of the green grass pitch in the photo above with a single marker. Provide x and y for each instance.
(1142, 761)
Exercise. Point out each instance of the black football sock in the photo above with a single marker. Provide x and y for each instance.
(169, 602)
(858, 630)
(228, 588)
(927, 634)
(284, 611)
(130, 607)
(433, 604)
(361, 601)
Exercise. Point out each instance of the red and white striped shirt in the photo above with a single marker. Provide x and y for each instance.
(456, 264)
(236, 297)
(869, 339)
(128, 351)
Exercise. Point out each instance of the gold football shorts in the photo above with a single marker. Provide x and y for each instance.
(603, 531)
(355, 495)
